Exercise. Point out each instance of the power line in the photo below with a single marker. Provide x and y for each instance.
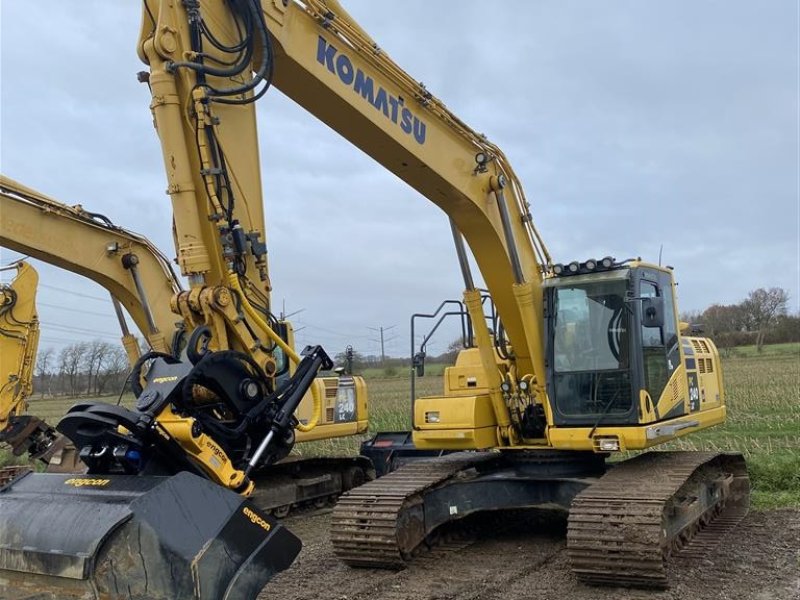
(332, 332)
(80, 295)
(80, 330)
(50, 340)
(76, 310)
(383, 329)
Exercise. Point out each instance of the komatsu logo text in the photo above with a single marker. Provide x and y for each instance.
(255, 519)
(392, 107)
(83, 481)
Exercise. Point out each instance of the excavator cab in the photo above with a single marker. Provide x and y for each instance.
(615, 354)
(620, 376)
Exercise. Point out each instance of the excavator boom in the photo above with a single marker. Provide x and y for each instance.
(19, 340)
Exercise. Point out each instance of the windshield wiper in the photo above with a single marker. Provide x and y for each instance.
(606, 408)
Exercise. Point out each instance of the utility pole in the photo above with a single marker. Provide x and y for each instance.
(284, 316)
(381, 330)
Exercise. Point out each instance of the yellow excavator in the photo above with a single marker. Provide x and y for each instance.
(19, 340)
(589, 361)
(27, 435)
(131, 268)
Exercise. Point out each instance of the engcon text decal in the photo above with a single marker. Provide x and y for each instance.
(392, 107)
(256, 520)
(84, 481)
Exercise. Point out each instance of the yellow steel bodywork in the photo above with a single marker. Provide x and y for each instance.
(19, 339)
(335, 396)
(636, 437)
(462, 423)
(465, 377)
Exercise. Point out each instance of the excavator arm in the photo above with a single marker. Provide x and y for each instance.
(129, 266)
(19, 339)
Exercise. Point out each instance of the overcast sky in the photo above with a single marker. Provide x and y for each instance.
(631, 125)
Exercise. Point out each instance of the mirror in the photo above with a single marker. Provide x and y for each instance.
(419, 363)
(653, 312)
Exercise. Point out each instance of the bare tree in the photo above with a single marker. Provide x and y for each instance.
(115, 367)
(97, 353)
(44, 362)
(719, 318)
(70, 360)
(762, 309)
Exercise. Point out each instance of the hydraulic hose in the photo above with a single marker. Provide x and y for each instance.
(306, 427)
(233, 281)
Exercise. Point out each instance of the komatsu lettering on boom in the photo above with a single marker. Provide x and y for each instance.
(392, 107)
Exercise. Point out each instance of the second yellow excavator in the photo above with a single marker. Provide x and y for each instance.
(19, 340)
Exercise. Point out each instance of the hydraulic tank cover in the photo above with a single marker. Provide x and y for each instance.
(68, 536)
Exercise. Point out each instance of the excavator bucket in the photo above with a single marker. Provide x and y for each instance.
(181, 537)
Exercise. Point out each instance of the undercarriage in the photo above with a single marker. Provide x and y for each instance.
(625, 519)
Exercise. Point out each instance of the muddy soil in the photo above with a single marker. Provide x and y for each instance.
(526, 558)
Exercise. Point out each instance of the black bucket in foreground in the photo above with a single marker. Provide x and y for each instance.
(179, 537)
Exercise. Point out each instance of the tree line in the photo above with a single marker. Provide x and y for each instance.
(84, 368)
(761, 318)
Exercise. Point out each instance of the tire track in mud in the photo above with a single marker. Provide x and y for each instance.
(467, 568)
(759, 560)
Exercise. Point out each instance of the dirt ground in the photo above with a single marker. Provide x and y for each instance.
(759, 560)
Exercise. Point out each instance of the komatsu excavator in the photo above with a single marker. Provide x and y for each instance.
(594, 361)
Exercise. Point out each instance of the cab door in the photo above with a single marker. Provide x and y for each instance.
(660, 345)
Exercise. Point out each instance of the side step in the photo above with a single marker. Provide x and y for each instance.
(114, 537)
(623, 529)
